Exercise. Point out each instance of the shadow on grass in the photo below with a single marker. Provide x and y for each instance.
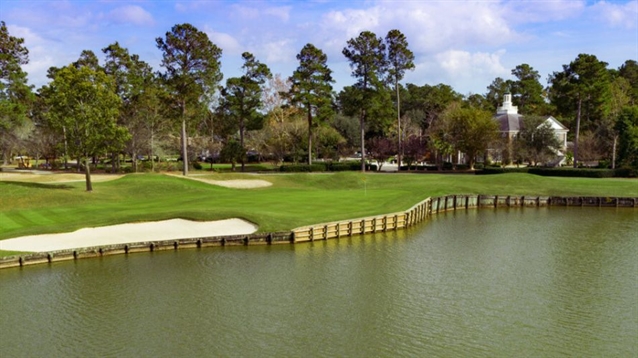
(38, 185)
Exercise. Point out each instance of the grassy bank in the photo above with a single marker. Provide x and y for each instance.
(293, 200)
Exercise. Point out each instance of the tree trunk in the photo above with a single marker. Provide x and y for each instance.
(134, 162)
(87, 174)
(113, 159)
(241, 143)
(613, 152)
(66, 150)
(184, 140)
(580, 101)
(309, 135)
(152, 155)
(184, 148)
(363, 146)
(396, 85)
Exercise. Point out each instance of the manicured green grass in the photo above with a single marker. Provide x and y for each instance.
(293, 200)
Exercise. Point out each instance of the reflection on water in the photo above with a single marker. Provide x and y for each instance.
(510, 282)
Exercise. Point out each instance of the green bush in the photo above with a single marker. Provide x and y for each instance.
(343, 166)
(625, 173)
(303, 168)
(573, 172)
(197, 166)
(498, 170)
(564, 172)
(323, 167)
(349, 166)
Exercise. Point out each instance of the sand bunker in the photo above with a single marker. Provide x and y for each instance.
(50, 177)
(128, 233)
(235, 183)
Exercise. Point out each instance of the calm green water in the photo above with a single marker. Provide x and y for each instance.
(518, 282)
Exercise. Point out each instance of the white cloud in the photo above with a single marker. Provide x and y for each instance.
(464, 70)
(617, 15)
(464, 64)
(278, 52)
(43, 54)
(281, 12)
(429, 26)
(245, 12)
(131, 14)
(228, 44)
(542, 11)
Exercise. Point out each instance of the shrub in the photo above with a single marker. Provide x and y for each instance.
(322, 167)
(343, 166)
(498, 170)
(303, 168)
(625, 173)
(573, 172)
(197, 166)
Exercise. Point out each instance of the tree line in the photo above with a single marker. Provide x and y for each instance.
(123, 107)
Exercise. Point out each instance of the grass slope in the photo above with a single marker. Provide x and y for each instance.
(293, 200)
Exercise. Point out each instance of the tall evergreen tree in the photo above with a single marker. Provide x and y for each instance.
(400, 59)
(366, 54)
(15, 94)
(134, 84)
(583, 87)
(629, 71)
(527, 91)
(241, 98)
(192, 73)
(496, 91)
(311, 87)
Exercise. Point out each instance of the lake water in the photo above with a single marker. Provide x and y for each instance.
(518, 282)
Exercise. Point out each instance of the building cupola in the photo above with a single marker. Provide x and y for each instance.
(507, 107)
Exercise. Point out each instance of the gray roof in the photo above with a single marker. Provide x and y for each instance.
(509, 122)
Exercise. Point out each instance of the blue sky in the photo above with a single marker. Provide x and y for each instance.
(465, 44)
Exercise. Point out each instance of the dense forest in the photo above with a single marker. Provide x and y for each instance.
(120, 109)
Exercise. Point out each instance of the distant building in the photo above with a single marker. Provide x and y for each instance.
(510, 124)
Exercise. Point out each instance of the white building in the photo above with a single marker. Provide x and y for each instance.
(510, 124)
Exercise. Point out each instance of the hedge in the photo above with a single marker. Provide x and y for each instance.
(498, 170)
(325, 167)
(565, 172)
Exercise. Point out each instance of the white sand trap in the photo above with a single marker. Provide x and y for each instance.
(128, 233)
(233, 183)
(52, 177)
